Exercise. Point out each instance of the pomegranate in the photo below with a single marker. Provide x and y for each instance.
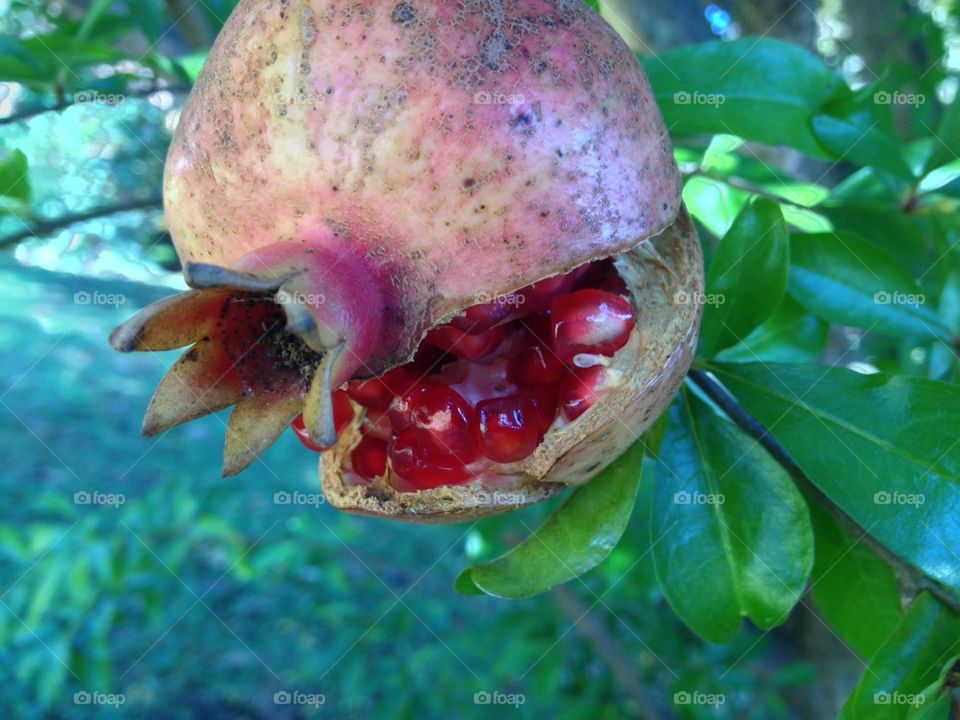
(440, 240)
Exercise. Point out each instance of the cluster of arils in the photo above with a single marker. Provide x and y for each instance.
(485, 388)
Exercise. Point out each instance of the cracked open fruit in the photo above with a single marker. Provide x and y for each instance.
(443, 241)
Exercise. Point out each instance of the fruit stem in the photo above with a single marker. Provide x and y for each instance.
(755, 429)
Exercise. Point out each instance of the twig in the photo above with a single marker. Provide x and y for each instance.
(605, 646)
(191, 24)
(746, 186)
(46, 227)
(738, 414)
(63, 103)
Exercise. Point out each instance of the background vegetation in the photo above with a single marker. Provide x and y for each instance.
(824, 177)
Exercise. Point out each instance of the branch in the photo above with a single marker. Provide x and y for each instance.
(747, 186)
(63, 103)
(191, 23)
(46, 227)
(606, 647)
(736, 412)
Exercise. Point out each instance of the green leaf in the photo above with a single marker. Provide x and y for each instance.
(572, 541)
(748, 276)
(90, 19)
(790, 335)
(937, 696)
(849, 281)
(854, 589)
(940, 177)
(925, 642)
(14, 177)
(731, 533)
(855, 132)
(714, 203)
(882, 447)
(759, 89)
(892, 230)
(947, 137)
(943, 359)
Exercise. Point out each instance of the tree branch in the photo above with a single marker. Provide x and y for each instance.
(191, 24)
(46, 227)
(606, 647)
(738, 414)
(63, 103)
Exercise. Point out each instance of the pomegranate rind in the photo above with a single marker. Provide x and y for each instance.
(665, 277)
(420, 135)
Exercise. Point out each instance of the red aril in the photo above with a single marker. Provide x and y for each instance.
(480, 318)
(437, 416)
(580, 390)
(509, 428)
(537, 297)
(378, 393)
(590, 321)
(342, 415)
(546, 398)
(369, 458)
(464, 345)
(592, 274)
(536, 363)
(422, 466)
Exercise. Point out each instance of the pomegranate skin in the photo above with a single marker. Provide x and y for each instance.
(459, 149)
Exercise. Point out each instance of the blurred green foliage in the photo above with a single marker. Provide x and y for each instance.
(129, 572)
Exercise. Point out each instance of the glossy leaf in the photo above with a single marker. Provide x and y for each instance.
(947, 137)
(925, 642)
(848, 281)
(747, 277)
(943, 358)
(882, 447)
(762, 90)
(852, 584)
(731, 534)
(14, 177)
(713, 203)
(856, 134)
(894, 232)
(790, 335)
(572, 541)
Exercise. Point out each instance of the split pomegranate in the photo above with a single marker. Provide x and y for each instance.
(453, 417)
(440, 239)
